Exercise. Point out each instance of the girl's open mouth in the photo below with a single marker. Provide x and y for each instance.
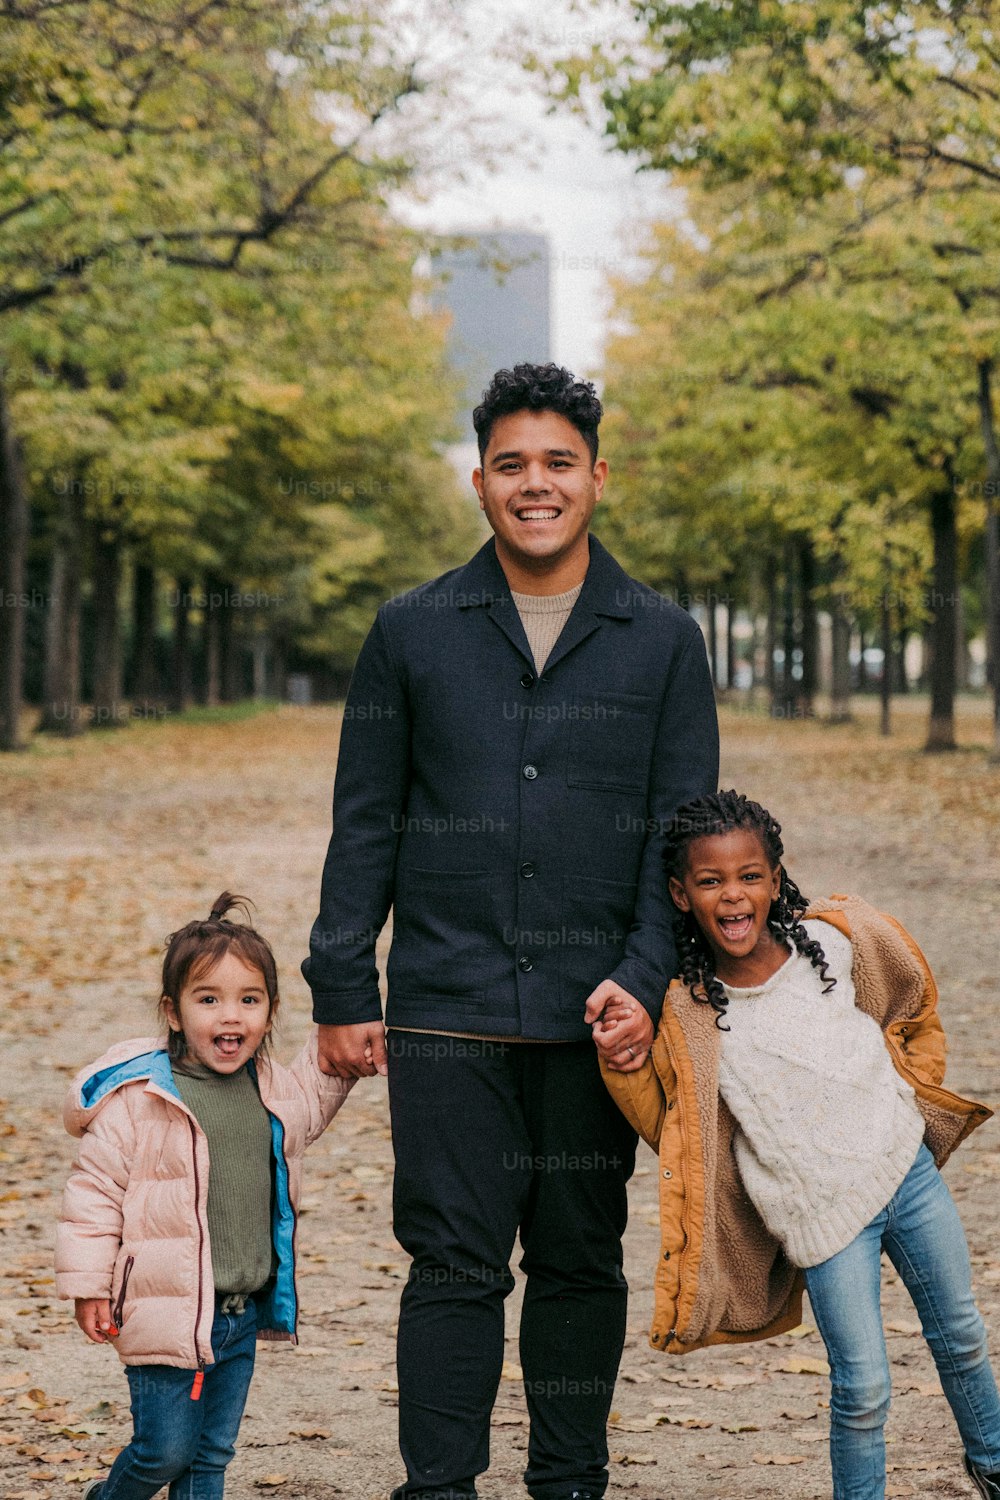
(228, 1044)
(736, 927)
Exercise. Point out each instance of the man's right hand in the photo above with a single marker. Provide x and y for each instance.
(353, 1051)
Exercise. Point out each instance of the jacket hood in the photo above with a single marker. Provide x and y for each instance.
(141, 1058)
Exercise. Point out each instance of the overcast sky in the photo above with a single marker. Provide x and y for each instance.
(556, 173)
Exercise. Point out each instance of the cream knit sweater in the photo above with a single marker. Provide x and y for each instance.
(827, 1128)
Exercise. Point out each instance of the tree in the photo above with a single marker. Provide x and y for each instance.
(761, 433)
(848, 123)
(182, 137)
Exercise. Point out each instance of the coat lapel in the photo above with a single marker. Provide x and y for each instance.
(607, 592)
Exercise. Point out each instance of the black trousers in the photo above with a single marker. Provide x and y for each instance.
(490, 1138)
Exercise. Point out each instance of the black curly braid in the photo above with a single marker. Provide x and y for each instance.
(719, 812)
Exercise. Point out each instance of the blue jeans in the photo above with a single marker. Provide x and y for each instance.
(923, 1236)
(179, 1442)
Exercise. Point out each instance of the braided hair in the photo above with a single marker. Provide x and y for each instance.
(198, 947)
(720, 812)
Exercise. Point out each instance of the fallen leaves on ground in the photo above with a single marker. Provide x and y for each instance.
(802, 1366)
(247, 806)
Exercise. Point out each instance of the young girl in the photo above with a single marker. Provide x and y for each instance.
(177, 1233)
(794, 1094)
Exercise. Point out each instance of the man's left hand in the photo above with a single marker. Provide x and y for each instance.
(621, 1027)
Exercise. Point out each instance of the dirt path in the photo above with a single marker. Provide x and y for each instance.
(108, 843)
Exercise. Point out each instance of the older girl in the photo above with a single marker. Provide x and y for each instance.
(794, 1092)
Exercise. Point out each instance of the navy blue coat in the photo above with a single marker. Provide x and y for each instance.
(511, 821)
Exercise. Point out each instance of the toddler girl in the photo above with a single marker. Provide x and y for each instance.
(177, 1233)
(794, 1093)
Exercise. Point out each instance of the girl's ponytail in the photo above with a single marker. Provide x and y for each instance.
(227, 902)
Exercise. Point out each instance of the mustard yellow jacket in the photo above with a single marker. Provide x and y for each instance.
(722, 1277)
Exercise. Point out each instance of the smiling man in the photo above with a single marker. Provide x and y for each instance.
(518, 733)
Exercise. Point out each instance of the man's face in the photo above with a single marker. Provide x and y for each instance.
(538, 489)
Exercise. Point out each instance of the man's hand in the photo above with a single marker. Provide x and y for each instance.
(622, 1028)
(353, 1051)
(94, 1316)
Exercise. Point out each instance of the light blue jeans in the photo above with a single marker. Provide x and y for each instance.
(921, 1233)
(181, 1443)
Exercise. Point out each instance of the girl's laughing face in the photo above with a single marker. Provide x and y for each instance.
(224, 1013)
(728, 886)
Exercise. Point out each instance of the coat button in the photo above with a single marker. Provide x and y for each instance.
(528, 679)
(666, 1255)
(527, 869)
(525, 965)
(529, 773)
(667, 1172)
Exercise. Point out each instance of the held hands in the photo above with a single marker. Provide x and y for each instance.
(353, 1051)
(94, 1316)
(621, 1027)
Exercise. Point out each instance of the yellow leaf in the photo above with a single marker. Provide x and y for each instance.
(803, 1366)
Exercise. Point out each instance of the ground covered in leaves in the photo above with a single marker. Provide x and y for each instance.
(109, 843)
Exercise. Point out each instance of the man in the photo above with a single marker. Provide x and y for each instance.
(516, 734)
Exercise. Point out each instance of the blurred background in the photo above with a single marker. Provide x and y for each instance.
(258, 260)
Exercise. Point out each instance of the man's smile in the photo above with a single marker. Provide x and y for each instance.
(537, 512)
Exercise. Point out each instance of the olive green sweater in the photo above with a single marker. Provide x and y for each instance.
(228, 1108)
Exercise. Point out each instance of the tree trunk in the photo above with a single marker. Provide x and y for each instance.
(961, 650)
(786, 708)
(992, 448)
(108, 708)
(900, 680)
(61, 710)
(277, 684)
(259, 648)
(810, 628)
(863, 682)
(840, 693)
(231, 657)
(713, 639)
(885, 685)
(941, 729)
(212, 641)
(180, 684)
(145, 676)
(771, 637)
(730, 639)
(14, 519)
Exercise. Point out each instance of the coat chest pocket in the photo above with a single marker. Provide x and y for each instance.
(610, 742)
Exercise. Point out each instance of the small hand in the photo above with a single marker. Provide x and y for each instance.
(622, 1028)
(94, 1316)
(353, 1051)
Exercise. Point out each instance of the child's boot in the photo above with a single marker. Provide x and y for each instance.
(988, 1485)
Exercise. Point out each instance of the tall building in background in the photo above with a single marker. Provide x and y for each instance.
(497, 291)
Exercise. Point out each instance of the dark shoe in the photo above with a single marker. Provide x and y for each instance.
(988, 1485)
(93, 1490)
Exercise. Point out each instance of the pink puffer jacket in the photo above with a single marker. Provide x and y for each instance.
(133, 1225)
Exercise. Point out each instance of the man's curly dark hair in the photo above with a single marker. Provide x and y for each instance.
(539, 388)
